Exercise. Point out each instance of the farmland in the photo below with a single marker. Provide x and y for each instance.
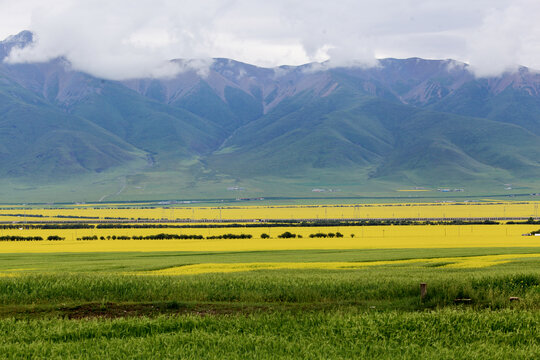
(239, 212)
(354, 295)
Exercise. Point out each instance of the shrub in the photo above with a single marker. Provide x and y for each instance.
(287, 235)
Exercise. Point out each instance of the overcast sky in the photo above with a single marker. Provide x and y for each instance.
(132, 38)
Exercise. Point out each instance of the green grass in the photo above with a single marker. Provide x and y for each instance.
(89, 306)
(382, 288)
(102, 277)
(193, 181)
(448, 334)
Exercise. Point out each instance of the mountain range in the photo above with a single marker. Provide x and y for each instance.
(271, 131)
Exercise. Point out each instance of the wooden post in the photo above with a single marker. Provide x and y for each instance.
(423, 290)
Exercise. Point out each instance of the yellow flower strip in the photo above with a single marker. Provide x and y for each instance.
(366, 237)
(455, 262)
(242, 211)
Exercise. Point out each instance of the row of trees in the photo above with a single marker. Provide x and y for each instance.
(285, 235)
(323, 235)
(29, 238)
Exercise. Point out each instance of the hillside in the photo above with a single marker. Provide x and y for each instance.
(278, 131)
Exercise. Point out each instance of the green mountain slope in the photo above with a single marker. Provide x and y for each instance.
(159, 129)
(512, 105)
(304, 132)
(38, 140)
(350, 130)
(438, 146)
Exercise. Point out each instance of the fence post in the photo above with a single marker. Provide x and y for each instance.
(423, 290)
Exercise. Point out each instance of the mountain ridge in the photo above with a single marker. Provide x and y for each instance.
(410, 121)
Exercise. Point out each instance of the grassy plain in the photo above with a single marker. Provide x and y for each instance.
(84, 307)
(350, 297)
(447, 334)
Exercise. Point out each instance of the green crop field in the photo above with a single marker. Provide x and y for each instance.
(103, 305)
(343, 334)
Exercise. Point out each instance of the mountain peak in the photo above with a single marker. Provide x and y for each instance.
(23, 38)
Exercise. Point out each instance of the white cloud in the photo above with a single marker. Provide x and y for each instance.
(508, 37)
(119, 39)
(124, 39)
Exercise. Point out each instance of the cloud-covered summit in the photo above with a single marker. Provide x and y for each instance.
(129, 39)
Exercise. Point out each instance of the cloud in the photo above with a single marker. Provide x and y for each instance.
(119, 39)
(494, 48)
(507, 38)
(125, 39)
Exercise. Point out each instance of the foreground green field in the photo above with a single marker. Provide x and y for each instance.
(91, 306)
(339, 334)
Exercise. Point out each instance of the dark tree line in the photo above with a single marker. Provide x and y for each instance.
(29, 238)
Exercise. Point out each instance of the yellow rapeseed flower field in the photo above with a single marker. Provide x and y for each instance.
(348, 211)
(454, 262)
(366, 237)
